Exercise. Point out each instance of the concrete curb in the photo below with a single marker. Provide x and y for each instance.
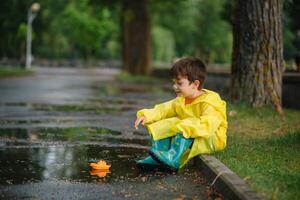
(226, 182)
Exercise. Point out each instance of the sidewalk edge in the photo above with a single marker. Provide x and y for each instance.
(229, 184)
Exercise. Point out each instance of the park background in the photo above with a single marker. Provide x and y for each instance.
(263, 142)
(91, 30)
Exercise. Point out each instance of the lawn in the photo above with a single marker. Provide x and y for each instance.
(264, 150)
(13, 71)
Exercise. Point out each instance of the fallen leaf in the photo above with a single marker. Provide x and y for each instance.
(232, 113)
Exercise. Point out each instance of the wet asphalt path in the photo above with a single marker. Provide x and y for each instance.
(54, 123)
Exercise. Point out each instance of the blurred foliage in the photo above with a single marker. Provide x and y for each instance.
(214, 38)
(177, 17)
(197, 27)
(10, 71)
(163, 43)
(91, 29)
(81, 30)
(291, 29)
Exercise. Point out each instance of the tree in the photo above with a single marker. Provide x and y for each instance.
(257, 59)
(136, 51)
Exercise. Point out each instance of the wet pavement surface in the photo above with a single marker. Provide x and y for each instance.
(53, 124)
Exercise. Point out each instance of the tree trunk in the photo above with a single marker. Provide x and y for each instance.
(257, 57)
(136, 44)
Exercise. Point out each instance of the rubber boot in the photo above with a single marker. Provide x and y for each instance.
(162, 145)
(171, 157)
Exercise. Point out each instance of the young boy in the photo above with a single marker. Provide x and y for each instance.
(193, 123)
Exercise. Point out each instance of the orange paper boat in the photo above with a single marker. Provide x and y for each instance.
(100, 173)
(101, 165)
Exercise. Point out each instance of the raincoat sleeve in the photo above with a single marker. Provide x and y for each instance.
(204, 126)
(159, 112)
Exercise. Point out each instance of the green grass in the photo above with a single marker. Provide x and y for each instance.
(140, 83)
(264, 150)
(13, 71)
(127, 78)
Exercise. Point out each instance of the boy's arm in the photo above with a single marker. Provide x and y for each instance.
(204, 126)
(160, 111)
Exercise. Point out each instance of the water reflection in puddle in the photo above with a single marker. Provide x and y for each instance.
(40, 137)
(95, 106)
(19, 166)
(64, 173)
(54, 164)
(29, 155)
(64, 134)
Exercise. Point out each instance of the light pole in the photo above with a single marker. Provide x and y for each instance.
(32, 11)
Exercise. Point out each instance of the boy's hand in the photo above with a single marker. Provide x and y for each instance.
(139, 120)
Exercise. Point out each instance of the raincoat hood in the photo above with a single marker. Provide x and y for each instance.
(212, 98)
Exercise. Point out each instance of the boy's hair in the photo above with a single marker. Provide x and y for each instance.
(191, 68)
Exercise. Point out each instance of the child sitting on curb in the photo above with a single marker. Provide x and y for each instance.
(193, 123)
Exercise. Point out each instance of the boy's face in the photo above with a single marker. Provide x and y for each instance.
(183, 87)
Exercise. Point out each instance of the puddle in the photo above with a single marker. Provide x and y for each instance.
(3, 122)
(40, 137)
(45, 171)
(94, 108)
(31, 155)
(19, 166)
(60, 172)
(55, 134)
(15, 104)
(99, 106)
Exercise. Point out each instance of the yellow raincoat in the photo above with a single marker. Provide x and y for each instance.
(204, 120)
